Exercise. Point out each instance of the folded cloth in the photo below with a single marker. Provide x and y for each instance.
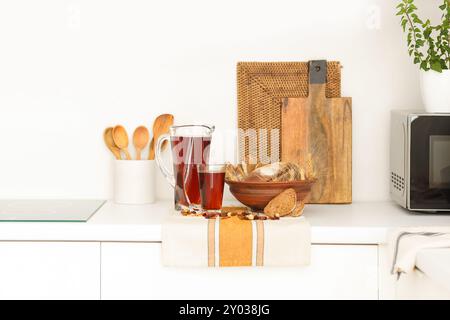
(407, 242)
(233, 242)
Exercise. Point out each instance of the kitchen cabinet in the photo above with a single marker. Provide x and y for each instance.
(134, 271)
(117, 255)
(49, 270)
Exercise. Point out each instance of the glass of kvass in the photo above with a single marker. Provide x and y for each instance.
(212, 181)
(190, 145)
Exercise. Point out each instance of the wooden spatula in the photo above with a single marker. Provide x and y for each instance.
(161, 126)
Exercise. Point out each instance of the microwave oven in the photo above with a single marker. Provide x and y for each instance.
(420, 160)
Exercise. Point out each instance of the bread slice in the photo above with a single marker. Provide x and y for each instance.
(298, 211)
(265, 173)
(283, 204)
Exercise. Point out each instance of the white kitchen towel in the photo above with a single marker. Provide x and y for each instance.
(407, 242)
(199, 242)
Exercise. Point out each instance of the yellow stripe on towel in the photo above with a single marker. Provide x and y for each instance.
(235, 242)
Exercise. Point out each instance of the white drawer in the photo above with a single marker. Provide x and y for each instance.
(134, 271)
(49, 270)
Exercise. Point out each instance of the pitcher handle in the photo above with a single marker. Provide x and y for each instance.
(166, 173)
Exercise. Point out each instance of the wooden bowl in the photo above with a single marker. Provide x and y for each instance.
(256, 195)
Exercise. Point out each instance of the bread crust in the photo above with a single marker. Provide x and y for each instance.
(298, 211)
(283, 204)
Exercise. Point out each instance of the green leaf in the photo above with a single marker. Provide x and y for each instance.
(424, 66)
(409, 38)
(404, 22)
(417, 20)
(436, 66)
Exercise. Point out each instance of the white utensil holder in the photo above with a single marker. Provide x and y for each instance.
(134, 181)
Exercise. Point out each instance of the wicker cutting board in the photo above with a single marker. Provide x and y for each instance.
(321, 128)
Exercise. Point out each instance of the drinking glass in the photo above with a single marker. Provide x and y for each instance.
(211, 180)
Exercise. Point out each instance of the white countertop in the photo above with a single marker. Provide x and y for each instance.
(358, 223)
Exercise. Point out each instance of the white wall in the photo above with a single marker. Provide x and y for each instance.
(68, 69)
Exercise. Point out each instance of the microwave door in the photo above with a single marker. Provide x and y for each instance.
(430, 163)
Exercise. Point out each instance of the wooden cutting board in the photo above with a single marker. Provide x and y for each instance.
(322, 128)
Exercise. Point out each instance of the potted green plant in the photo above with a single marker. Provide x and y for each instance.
(429, 46)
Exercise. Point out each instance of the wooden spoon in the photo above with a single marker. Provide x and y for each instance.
(161, 126)
(109, 141)
(120, 137)
(140, 140)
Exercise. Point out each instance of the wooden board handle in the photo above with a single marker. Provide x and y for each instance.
(317, 72)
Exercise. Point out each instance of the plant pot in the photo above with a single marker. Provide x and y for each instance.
(435, 89)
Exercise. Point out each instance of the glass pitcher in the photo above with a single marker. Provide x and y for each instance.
(190, 146)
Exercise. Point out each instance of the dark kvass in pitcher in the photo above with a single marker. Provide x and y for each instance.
(188, 153)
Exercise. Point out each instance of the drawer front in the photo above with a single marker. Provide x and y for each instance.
(134, 271)
(49, 270)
